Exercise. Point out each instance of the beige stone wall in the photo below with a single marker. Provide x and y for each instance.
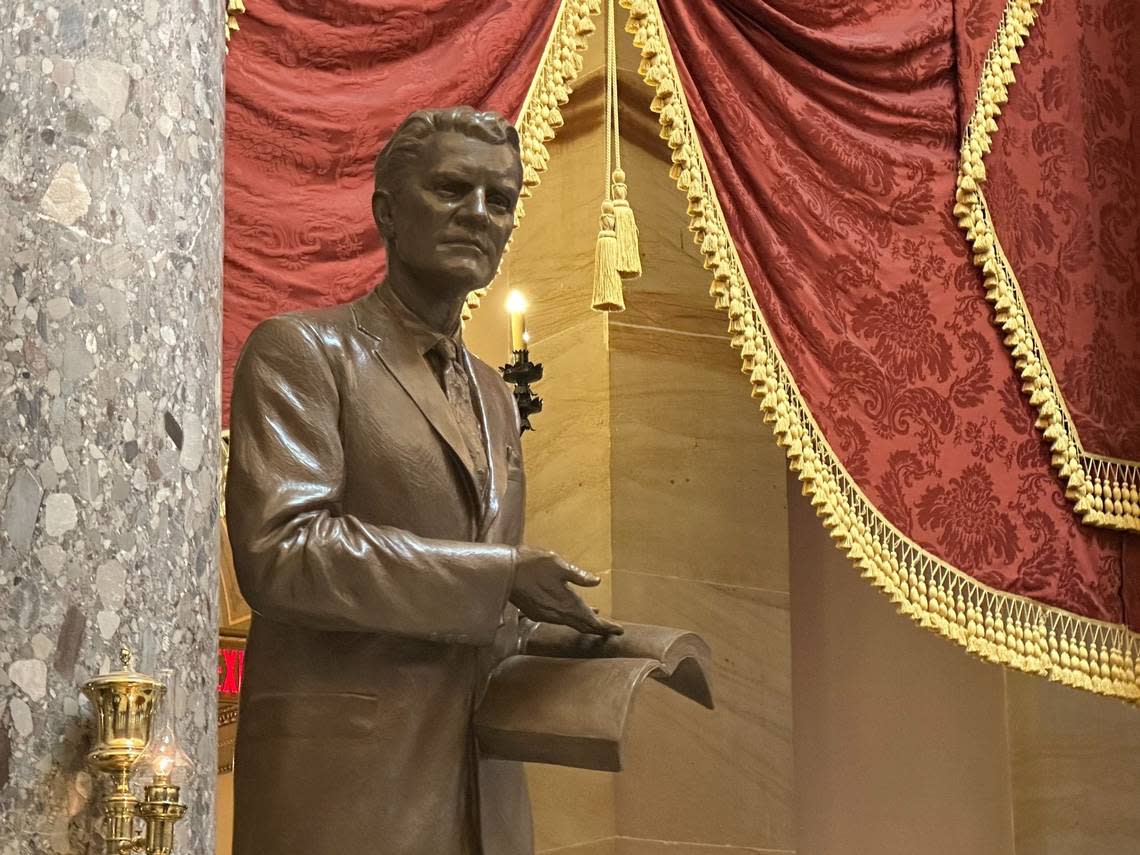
(900, 743)
(224, 818)
(651, 467)
(699, 541)
(904, 744)
(1075, 770)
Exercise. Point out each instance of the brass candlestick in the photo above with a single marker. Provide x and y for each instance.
(125, 703)
(160, 809)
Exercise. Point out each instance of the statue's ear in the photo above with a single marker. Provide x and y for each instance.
(382, 213)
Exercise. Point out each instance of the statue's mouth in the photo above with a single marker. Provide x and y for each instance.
(466, 243)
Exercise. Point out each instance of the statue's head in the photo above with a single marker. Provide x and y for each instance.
(447, 184)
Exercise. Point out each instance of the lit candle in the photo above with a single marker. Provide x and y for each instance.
(516, 306)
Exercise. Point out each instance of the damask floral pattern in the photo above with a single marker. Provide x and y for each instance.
(971, 527)
(313, 89)
(902, 334)
(838, 197)
(1062, 184)
(831, 134)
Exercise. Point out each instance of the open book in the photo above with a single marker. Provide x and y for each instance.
(567, 698)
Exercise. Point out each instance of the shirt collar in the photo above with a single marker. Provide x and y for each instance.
(424, 337)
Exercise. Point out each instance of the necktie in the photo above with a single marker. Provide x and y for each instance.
(457, 387)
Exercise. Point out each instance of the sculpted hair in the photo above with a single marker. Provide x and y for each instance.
(413, 133)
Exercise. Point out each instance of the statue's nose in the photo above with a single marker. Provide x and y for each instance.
(475, 206)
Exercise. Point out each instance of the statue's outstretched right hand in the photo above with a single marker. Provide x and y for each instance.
(541, 592)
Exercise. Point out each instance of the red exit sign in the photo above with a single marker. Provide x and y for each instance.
(231, 664)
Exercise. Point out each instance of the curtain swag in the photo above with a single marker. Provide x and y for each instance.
(1105, 491)
(994, 625)
(997, 626)
(935, 591)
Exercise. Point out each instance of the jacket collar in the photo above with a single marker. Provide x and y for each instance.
(381, 317)
(424, 338)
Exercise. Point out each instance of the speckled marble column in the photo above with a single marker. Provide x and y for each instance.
(110, 276)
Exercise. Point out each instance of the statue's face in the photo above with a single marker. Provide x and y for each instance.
(452, 214)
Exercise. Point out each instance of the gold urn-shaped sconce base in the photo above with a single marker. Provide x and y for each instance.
(125, 704)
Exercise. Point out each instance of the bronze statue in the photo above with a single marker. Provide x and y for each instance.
(375, 505)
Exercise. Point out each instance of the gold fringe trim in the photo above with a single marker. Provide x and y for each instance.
(1003, 628)
(1105, 491)
(550, 89)
(233, 9)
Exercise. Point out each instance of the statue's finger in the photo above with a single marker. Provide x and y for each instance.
(612, 627)
(602, 626)
(582, 577)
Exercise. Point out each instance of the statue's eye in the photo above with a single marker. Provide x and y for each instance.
(449, 190)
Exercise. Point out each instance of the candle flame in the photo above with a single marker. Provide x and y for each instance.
(516, 303)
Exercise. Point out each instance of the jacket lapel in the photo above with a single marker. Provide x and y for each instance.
(396, 350)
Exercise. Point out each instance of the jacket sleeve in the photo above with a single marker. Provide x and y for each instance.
(298, 559)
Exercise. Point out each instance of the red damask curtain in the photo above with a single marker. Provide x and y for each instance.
(1063, 187)
(1060, 185)
(313, 89)
(825, 182)
(832, 156)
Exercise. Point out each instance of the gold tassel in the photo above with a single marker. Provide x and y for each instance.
(625, 227)
(607, 283)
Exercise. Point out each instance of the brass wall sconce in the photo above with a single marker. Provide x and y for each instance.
(134, 727)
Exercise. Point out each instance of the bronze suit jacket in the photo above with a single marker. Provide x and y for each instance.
(379, 582)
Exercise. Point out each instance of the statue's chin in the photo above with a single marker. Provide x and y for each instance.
(467, 274)
(454, 281)
(451, 275)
